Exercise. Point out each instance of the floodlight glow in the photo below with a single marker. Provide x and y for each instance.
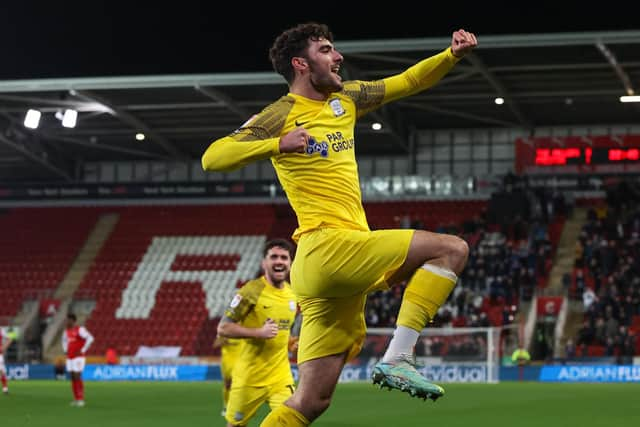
(32, 119)
(70, 118)
(499, 101)
(630, 98)
(140, 136)
(376, 126)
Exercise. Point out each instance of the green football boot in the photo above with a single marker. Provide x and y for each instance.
(403, 375)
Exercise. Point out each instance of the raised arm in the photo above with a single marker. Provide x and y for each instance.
(370, 95)
(428, 72)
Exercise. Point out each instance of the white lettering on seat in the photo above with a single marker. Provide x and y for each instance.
(219, 284)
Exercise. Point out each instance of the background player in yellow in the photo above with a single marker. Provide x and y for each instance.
(309, 136)
(262, 313)
(229, 352)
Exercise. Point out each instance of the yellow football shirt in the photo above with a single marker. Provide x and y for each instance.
(322, 184)
(263, 362)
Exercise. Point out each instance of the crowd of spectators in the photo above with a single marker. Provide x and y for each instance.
(607, 275)
(507, 261)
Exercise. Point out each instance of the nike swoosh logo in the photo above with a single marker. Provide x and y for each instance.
(301, 123)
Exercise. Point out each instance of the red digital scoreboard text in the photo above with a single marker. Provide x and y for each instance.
(584, 156)
(575, 154)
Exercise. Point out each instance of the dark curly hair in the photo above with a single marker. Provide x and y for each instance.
(293, 42)
(280, 243)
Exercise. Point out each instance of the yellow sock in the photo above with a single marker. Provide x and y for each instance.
(427, 290)
(284, 416)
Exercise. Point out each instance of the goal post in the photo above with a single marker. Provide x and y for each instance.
(450, 354)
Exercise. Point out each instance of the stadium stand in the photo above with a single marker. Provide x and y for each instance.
(606, 276)
(37, 248)
(165, 273)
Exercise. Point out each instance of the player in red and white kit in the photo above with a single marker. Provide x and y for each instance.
(5, 342)
(75, 342)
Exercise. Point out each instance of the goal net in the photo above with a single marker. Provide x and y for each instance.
(449, 354)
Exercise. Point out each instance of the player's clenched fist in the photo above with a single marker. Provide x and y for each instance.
(295, 141)
(269, 329)
(463, 42)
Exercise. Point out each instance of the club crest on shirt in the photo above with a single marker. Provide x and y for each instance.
(336, 106)
(292, 305)
(235, 301)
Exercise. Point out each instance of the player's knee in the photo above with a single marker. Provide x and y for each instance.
(458, 253)
(462, 248)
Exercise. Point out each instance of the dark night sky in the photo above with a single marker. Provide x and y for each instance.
(109, 38)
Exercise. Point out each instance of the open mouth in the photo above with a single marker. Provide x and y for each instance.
(335, 70)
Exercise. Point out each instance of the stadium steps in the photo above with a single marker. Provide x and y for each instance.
(565, 254)
(52, 336)
(27, 321)
(73, 278)
(101, 231)
(575, 316)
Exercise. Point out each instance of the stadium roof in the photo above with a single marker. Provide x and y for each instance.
(554, 79)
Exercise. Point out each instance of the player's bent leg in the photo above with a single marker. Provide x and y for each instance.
(441, 250)
(318, 379)
(434, 261)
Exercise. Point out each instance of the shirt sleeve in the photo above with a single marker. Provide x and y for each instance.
(257, 139)
(64, 341)
(369, 95)
(241, 304)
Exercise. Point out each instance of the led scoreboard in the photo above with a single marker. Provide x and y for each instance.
(585, 156)
(575, 155)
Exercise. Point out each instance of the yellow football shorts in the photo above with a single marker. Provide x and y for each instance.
(244, 401)
(227, 361)
(332, 274)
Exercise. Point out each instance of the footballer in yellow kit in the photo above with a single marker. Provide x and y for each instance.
(323, 188)
(230, 349)
(261, 313)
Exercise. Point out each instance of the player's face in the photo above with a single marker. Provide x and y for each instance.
(324, 65)
(276, 265)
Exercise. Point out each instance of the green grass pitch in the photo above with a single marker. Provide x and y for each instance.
(198, 404)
